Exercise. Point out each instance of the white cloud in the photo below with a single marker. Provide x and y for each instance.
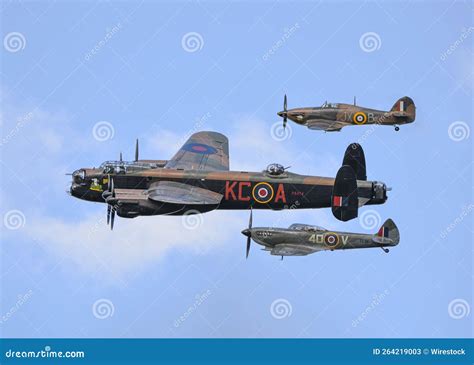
(134, 244)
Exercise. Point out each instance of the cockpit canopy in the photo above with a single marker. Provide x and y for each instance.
(275, 169)
(121, 167)
(330, 105)
(306, 227)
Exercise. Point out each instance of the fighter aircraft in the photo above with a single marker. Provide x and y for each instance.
(197, 180)
(331, 117)
(302, 239)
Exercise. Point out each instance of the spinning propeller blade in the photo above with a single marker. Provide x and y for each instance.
(249, 236)
(136, 151)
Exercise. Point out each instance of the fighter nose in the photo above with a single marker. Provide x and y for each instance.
(246, 232)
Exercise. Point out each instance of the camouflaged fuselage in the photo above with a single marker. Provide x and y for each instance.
(240, 190)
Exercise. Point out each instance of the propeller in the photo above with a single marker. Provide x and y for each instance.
(110, 193)
(121, 157)
(136, 151)
(247, 232)
(285, 111)
(354, 101)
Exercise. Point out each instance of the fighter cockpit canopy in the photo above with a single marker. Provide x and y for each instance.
(329, 105)
(306, 227)
(275, 169)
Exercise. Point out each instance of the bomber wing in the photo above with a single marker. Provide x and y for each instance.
(180, 193)
(202, 151)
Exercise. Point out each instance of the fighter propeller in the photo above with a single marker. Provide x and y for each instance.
(284, 113)
(248, 232)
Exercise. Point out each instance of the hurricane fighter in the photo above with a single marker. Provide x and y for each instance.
(331, 117)
(302, 239)
(197, 179)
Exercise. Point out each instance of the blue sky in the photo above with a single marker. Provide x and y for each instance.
(160, 71)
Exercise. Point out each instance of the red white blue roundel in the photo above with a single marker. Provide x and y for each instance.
(331, 239)
(201, 148)
(262, 192)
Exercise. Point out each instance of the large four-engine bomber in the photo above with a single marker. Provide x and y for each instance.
(332, 117)
(197, 180)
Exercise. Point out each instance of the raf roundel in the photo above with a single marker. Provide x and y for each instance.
(331, 239)
(262, 192)
(201, 148)
(359, 118)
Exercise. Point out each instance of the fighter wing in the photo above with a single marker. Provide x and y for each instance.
(202, 151)
(287, 249)
(325, 125)
(180, 193)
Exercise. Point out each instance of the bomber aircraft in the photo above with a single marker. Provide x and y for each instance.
(302, 239)
(332, 117)
(197, 180)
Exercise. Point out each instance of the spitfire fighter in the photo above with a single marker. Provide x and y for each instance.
(303, 239)
(331, 117)
(197, 180)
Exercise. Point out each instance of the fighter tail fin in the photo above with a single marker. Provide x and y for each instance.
(389, 230)
(404, 108)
